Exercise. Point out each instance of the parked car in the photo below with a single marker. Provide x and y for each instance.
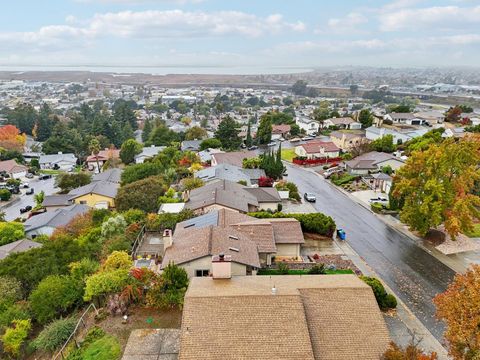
(379, 199)
(13, 189)
(272, 143)
(45, 177)
(30, 191)
(306, 138)
(29, 176)
(25, 209)
(243, 146)
(310, 197)
(253, 147)
(329, 172)
(25, 185)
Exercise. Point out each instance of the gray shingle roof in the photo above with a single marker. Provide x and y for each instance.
(18, 246)
(56, 158)
(230, 172)
(105, 188)
(55, 218)
(112, 175)
(57, 200)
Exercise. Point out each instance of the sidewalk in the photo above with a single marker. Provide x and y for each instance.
(404, 322)
(458, 263)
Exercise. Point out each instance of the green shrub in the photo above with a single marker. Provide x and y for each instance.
(376, 207)
(283, 268)
(317, 269)
(5, 195)
(17, 311)
(316, 223)
(15, 336)
(170, 291)
(10, 232)
(104, 283)
(385, 301)
(134, 216)
(342, 179)
(105, 348)
(10, 291)
(54, 295)
(54, 334)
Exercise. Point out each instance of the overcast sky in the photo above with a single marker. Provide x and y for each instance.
(247, 33)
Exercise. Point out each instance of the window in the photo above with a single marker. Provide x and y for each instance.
(202, 273)
(83, 202)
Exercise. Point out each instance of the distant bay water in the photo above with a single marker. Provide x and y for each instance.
(163, 70)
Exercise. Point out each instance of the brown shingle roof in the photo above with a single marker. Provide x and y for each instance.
(287, 231)
(253, 327)
(234, 158)
(265, 194)
(313, 147)
(310, 317)
(222, 192)
(261, 232)
(195, 243)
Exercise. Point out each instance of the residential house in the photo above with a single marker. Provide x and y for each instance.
(46, 223)
(191, 145)
(148, 152)
(113, 175)
(346, 141)
(53, 202)
(280, 131)
(17, 247)
(193, 250)
(13, 169)
(371, 162)
(404, 118)
(93, 161)
(382, 182)
(317, 149)
(206, 155)
(431, 117)
(232, 158)
(278, 238)
(230, 195)
(341, 123)
(399, 137)
(97, 194)
(310, 126)
(456, 132)
(60, 161)
(231, 173)
(280, 317)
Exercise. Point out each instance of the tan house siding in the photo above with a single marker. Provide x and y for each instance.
(205, 263)
(288, 250)
(266, 206)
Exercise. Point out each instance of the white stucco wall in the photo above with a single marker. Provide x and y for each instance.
(205, 263)
(288, 250)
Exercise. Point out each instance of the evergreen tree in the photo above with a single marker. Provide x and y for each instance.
(264, 133)
(147, 129)
(44, 124)
(227, 133)
(249, 140)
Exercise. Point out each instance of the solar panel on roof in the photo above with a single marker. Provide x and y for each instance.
(208, 219)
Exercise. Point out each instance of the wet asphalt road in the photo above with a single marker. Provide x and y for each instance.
(411, 272)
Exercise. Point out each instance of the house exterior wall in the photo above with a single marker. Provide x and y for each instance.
(268, 205)
(63, 165)
(394, 164)
(94, 200)
(18, 175)
(288, 250)
(45, 230)
(205, 263)
(357, 171)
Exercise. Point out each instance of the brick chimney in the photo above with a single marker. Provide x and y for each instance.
(167, 239)
(222, 266)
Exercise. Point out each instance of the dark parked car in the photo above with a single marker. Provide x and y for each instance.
(30, 191)
(25, 209)
(45, 177)
(253, 147)
(309, 197)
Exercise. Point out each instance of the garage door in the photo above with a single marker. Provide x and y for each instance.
(101, 205)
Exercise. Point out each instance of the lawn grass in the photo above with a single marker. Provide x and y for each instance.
(475, 233)
(50, 171)
(303, 272)
(288, 154)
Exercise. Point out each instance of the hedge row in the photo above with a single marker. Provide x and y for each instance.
(316, 223)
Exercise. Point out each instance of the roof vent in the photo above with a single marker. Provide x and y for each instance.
(233, 237)
(274, 290)
(234, 249)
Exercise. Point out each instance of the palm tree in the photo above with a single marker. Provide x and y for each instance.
(39, 199)
(94, 148)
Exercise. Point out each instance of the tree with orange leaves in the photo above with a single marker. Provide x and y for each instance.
(11, 139)
(437, 186)
(459, 307)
